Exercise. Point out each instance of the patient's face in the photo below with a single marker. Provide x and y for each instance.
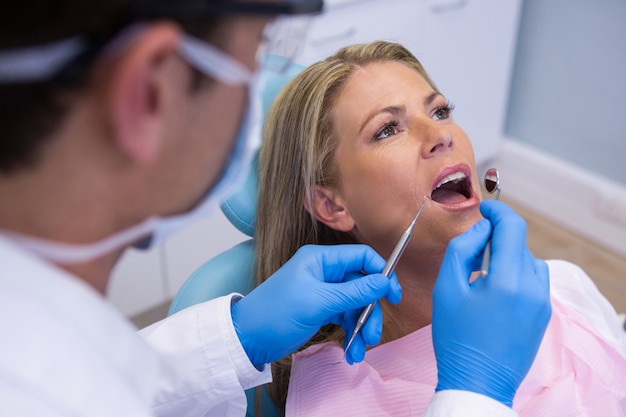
(396, 143)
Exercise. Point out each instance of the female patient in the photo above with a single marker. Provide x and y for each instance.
(350, 148)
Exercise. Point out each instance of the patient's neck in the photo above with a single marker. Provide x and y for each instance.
(417, 275)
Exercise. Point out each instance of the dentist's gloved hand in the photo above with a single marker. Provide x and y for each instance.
(486, 334)
(319, 285)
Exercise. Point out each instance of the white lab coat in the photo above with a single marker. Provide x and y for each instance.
(66, 351)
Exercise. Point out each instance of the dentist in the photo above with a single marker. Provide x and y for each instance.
(122, 121)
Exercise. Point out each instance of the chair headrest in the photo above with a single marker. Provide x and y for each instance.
(240, 208)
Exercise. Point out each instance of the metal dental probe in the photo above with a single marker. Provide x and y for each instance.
(387, 271)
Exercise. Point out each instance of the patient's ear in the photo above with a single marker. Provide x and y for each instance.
(329, 208)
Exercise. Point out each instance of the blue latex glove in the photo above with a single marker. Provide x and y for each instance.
(486, 334)
(319, 285)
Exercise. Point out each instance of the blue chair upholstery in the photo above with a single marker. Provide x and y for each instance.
(233, 269)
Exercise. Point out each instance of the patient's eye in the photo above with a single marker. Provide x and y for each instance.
(444, 111)
(388, 130)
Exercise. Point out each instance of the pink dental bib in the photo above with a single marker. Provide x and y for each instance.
(575, 373)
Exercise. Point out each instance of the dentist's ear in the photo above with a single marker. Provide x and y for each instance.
(330, 209)
(140, 84)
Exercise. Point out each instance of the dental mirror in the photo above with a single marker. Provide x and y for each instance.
(492, 184)
(492, 181)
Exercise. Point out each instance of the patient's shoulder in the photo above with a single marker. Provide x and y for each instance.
(573, 289)
(570, 280)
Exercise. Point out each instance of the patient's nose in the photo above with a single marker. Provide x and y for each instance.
(438, 140)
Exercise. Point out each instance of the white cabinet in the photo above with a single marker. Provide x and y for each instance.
(467, 46)
(137, 283)
(352, 21)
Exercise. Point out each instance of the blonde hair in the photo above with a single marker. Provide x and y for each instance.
(297, 153)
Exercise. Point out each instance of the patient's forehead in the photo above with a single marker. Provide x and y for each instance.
(375, 86)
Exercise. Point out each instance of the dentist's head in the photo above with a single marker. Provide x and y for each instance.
(121, 121)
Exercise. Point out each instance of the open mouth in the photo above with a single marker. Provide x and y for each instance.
(452, 189)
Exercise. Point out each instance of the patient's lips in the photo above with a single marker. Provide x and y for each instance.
(453, 187)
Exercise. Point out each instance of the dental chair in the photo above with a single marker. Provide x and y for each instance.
(233, 270)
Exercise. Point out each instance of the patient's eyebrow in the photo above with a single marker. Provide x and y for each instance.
(389, 109)
(428, 100)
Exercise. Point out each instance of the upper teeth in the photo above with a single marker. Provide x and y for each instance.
(456, 177)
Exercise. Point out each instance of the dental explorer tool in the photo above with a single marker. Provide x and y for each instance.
(387, 271)
(492, 184)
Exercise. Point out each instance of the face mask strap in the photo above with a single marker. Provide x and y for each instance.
(38, 63)
(66, 253)
(214, 63)
(41, 63)
(62, 61)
